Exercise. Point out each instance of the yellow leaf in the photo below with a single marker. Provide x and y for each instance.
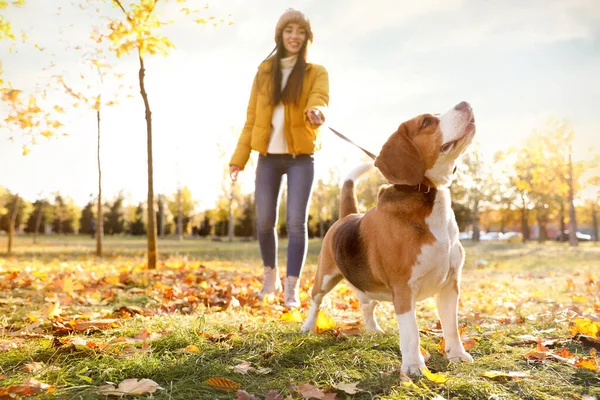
(68, 285)
(54, 310)
(26, 150)
(192, 348)
(112, 280)
(498, 374)
(436, 378)
(292, 316)
(324, 322)
(585, 326)
(223, 384)
(586, 362)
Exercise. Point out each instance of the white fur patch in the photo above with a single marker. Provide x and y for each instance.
(412, 359)
(358, 171)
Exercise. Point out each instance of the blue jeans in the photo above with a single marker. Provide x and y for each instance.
(300, 172)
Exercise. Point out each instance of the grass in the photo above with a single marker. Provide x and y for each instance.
(508, 290)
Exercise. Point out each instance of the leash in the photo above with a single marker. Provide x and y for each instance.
(367, 152)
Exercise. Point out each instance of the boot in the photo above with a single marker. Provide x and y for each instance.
(290, 291)
(271, 282)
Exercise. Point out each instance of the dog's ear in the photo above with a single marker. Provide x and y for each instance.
(400, 161)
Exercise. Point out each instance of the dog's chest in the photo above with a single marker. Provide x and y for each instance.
(437, 261)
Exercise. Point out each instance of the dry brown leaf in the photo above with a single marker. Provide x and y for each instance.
(273, 395)
(84, 326)
(30, 387)
(220, 383)
(130, 387)
(309, 392)
(243, 368)
(33, 367)
(243, 395)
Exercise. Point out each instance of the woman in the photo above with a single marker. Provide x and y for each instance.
(286, 108)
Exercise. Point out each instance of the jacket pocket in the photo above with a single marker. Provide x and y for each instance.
(304, 139)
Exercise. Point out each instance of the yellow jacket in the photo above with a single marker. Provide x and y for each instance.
(301, 135)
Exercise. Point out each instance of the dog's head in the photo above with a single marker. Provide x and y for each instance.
(427, 147)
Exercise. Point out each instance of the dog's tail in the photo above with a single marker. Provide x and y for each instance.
(348, 200)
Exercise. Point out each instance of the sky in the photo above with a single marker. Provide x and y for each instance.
(516, 62)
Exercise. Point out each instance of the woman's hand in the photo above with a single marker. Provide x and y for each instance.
(233, 172)
(314, 116)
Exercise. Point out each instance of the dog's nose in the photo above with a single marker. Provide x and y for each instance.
(461, 105)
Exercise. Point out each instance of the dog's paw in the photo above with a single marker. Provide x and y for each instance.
(373, 329)
(412, 369)
(458, 356)
(308, 327)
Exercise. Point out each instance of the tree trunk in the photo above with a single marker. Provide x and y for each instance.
(572, 217)
(38, 222)
(12, 222)
(161, 216)
(561, 235)
(179, 216)
(230, 226)
(524, 219)
(100, 212)
(595, 222)
(542, 234)
(475, 221)
(152, 235)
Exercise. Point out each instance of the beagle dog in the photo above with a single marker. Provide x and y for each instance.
(405, 249)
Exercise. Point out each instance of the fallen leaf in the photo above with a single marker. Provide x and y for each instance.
(273, 395)
(407, 382)
(587, 363)
(425, 353)
(217, 339)
(243, 395)
(349, 388)
(309, 392)
(292, 316)
(243, 368)
(33, 367)
(30, 387)
(220, 383)
(84, 326)
(192, 348)
(585, 326)
(324, 322)
(433, 377)
(130, 387)
(504, 375)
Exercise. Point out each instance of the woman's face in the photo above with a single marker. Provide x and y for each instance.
(293, 36)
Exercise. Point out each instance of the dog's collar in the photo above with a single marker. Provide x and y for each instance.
(421, 188)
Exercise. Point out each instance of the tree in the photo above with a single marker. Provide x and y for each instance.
(139, 32)
(472, 185)
(181, 205)
(137, 227)
(324, 207)
(41, 215)
(115, 218)
(65, 215)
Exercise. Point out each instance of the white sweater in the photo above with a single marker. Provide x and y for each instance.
(278, 143)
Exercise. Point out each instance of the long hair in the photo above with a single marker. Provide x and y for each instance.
(293, 89)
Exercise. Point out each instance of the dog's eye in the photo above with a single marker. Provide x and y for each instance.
(428, 121)
(447, 147)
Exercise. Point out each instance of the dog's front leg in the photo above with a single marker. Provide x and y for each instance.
(410, 343)
(447, 305)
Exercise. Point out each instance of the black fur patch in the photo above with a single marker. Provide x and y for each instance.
(350, 254)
